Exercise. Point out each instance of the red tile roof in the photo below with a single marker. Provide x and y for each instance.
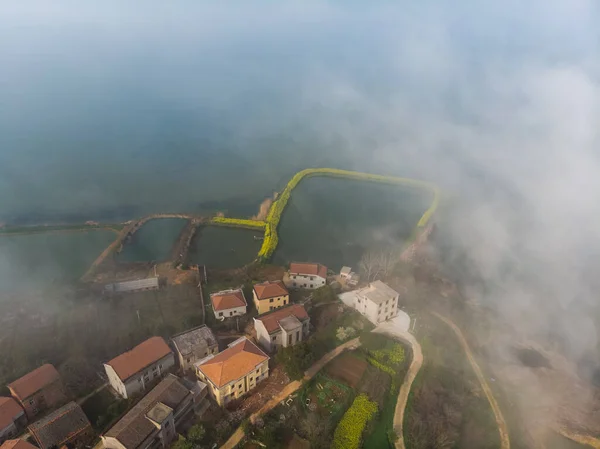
(271, 319)
(309, 269)
(17, 444)
(228, 299)
(34, 381)
(233, 363)
(143, 355)
(270, 289)
(9, 410)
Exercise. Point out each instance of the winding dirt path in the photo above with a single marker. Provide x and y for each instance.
(290, 388)
(415, 365)
(502, 427)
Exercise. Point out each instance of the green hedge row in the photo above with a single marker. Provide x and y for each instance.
(238, 222)
(271, 239)
(349, 431)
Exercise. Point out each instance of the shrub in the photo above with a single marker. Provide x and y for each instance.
(238, 222)
(295, 359)
(349, 431)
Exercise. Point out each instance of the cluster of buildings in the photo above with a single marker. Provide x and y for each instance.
(149, 369)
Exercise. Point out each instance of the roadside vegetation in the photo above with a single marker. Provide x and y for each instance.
(349, 431)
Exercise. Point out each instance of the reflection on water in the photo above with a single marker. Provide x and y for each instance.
(333, 221)
(153, 241)
(37, 260)
(219, 247)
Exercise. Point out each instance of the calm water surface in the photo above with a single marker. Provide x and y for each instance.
(220, 247)
(37, 260)
(153, 241)
(333, 221)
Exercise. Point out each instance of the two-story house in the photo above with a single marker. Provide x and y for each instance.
(39, 390)
(193, 345)
(378, 302)
(153, 422)
(134, 370)
(228, 303)
(233, 372)
(270, 295)
(66, 427)
(12, 418)
(307, 275)
(282, 327)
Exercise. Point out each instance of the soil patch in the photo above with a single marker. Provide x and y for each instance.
(348, 369)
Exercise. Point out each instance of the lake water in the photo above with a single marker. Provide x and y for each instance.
(221, 247)
(38, 260)
(153, 241)
(334, 221)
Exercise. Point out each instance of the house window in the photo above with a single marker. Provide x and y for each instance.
(297, 335)
(251, 379)
(31, 401)
(271, 300)
(140, 380)
(294, 277)
(155, 368)
(312, 278)
(160, 365)
(285, 302)
(257, 371)
(294, 284)
(289, 339)
(220, 313)
(189, 359)
(310, 285)
(274, 337)
(230, 313)
(270, 308)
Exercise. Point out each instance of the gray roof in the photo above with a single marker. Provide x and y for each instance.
(199, 338)
(289, 323)
(135, 427)
(378, 292)
(345, 270)
(159, 412)
(129, 286)
(60, 426)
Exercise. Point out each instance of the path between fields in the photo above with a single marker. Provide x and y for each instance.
(390, 329)
(290, 388)
(502, 427)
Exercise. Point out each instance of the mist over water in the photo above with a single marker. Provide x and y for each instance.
(117, 110)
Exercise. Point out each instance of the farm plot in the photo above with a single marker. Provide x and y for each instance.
(347, 368)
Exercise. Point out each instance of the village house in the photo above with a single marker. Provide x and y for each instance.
(228, 303)
(282, 327)
(193, 345)
(307, 275)
(12, 418)
(378, 302)
(153, 422)
(134, 370)
(68, 426)
(348, 276)
(39, 390)
(233, 372)
(17, 444)
(270, 295)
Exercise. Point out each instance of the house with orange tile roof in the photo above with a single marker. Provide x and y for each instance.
(12, 418)
(137, 369)
(228, 303)
(307, 275)
(233, 372)
(39, 390)
(282, 327)
(68, 426)
(17, 444)
(270, 295)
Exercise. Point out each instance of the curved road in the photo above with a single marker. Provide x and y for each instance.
(390, 329)
(502, 427)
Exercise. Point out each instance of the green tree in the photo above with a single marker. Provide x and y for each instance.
(182, 443)
(196, 434)
(295, 359)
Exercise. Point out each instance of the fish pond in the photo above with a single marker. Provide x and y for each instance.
(334, 221)
(223, 248)
(153, 241)
(35, 261)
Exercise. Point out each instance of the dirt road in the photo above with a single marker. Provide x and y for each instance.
(502, 427)
(398, 332)
(290, 388)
